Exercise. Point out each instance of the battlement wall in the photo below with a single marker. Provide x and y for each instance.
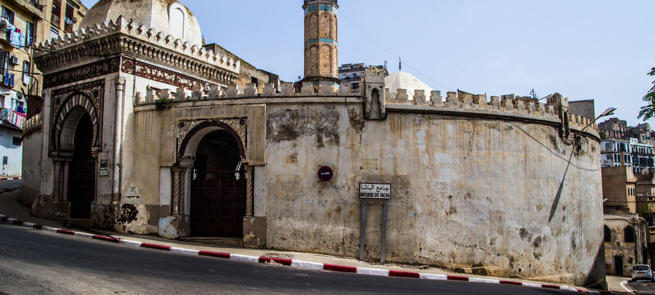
(458, 102)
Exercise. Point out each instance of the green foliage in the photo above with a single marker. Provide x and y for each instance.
(163, 104)
(648, 111)
(603, 136)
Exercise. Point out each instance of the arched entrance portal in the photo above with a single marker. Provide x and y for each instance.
(81, 179)
(218, 187)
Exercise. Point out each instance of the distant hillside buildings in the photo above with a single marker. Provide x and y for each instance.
(623, 145)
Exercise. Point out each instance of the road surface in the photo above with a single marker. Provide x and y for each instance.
(39, 262)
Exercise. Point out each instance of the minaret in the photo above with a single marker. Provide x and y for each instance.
(321, 37)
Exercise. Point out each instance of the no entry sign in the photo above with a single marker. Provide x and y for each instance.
(325, 173)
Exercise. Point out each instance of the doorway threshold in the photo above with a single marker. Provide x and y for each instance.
(226, 242)
(75, 222)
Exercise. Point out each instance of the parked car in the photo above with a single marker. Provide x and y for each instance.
(642, 272)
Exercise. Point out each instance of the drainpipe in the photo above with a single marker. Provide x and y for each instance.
(118, 135)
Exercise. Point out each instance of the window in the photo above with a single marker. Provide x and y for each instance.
(54, 33)
(29, 34)
(69, 17)
(26, 72)
(629, 234)
(56, 13)
(9, 16)
(608, 234)
(4, 60)
(17, 141)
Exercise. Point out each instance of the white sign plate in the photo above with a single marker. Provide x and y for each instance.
(374, 191)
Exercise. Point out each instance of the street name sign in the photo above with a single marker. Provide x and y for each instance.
(374, 191)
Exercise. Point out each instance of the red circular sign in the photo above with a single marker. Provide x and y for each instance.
(325, 173)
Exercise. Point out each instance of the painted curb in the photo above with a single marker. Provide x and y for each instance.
(10, 178)
(297, 263)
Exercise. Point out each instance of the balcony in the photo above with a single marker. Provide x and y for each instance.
(13, 117)
(33, 6)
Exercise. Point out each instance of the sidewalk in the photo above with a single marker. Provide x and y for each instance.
(10, 207)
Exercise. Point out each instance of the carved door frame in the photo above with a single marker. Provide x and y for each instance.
(190, 133)
(68, 105)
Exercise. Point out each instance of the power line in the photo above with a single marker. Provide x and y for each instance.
(545, 146)
(389, 52)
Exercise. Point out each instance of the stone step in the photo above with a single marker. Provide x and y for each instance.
(226, 242)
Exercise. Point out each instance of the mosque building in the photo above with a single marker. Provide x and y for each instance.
(146, 130)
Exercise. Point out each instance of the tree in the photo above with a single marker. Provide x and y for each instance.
(648, 111)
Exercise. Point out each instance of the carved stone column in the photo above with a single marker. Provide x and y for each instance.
(64, 195)
(118, 140)
(176, 191)
(182, 194)
(250, 190)
(56, 196)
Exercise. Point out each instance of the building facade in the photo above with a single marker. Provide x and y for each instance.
(353, 74)
(629, 153)
(626, 240)
(24, 23)
(158, 137)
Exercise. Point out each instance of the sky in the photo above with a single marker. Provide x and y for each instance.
(582, 49)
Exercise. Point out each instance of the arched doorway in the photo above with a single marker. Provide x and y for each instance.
(81, 178)
(218, 187)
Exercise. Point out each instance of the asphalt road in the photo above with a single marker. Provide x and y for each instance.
(641, 287)
(9, 185)
(38, 262)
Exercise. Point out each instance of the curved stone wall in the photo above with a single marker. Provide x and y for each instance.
(469, 193)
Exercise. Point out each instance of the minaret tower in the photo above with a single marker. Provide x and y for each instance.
(321, 37)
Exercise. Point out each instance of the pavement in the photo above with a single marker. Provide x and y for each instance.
(18, 214)
(624, 285)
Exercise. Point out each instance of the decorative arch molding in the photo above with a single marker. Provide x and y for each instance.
(69, 105)
(191, 132)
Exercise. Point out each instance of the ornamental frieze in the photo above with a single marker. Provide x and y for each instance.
(154, 73)
(80, 73)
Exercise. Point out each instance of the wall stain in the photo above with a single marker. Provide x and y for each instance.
(289, 125)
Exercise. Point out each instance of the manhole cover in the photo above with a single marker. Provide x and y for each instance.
(278, 255)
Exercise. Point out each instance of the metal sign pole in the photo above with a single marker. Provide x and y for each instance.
(362, 232)
(383, 246)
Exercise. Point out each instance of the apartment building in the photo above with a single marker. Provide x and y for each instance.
(24, 23)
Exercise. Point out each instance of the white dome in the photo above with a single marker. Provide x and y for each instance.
(168, 16)
(403, 80)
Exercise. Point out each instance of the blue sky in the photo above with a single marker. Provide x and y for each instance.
(582, 49)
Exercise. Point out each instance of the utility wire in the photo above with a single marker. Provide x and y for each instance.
(545, 146)
(389, 52)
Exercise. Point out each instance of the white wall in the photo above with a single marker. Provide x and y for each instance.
(14, 153)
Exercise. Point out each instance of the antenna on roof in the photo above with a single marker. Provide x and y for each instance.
(400, 64)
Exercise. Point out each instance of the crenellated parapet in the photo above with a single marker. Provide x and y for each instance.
(556, 106)
(508, 106)
(32, 124)
(324, 89)
(123, 36)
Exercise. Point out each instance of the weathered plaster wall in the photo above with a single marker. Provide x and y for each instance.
(13, 152)
(472, 195)
(31, 176)
(149, 150)
(618, 247)
(617, 181)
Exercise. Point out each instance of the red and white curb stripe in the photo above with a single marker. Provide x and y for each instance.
(10, 178)
(298, 263)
